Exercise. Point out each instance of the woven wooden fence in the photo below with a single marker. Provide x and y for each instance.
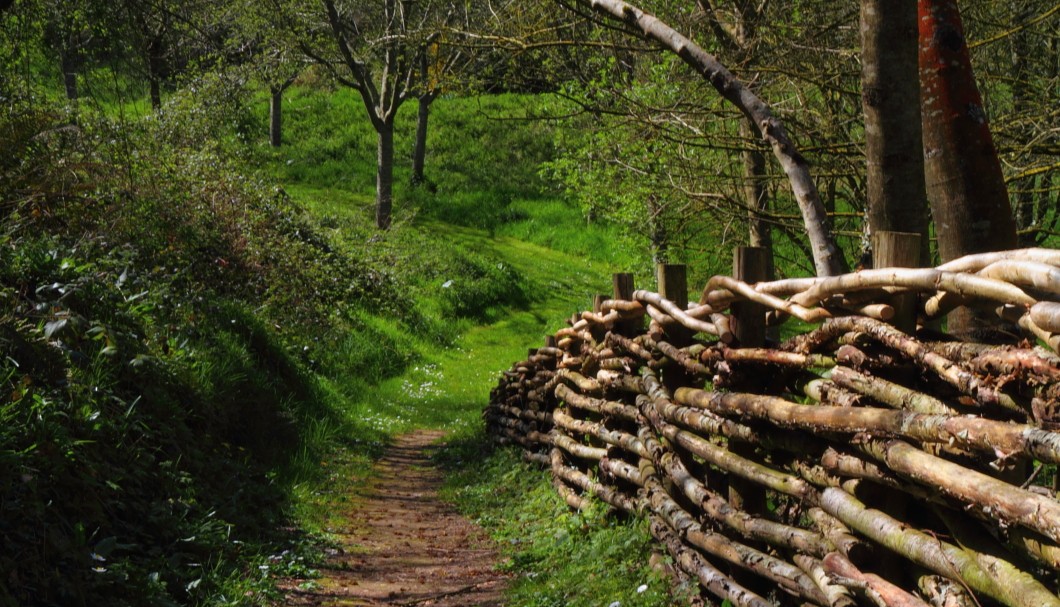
(860, 462)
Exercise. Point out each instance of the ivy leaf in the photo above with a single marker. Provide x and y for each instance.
(54, 327)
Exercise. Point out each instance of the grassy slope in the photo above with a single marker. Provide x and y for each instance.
(554, 551)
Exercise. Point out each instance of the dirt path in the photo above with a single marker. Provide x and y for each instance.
(402, 545)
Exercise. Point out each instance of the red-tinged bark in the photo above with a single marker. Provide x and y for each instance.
(966, 189)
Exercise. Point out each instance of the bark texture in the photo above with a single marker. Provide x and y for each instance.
(969, 200)
(890, 100)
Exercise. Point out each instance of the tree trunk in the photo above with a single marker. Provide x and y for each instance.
(1026, 203)
(384, 177)
(969, 200)
(419, 151)
(754, 192)
(276, 117)
(155, 68)
(68, 64)
(967, 191)
(657, 236)
(890, 100)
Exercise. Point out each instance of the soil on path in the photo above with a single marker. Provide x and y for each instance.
(402, 545)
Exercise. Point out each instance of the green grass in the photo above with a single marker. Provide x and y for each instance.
(558, 557)
(535, 261)
(271, 340)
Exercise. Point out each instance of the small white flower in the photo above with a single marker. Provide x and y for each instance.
(616, 604)
(642, 588)
(447, 284)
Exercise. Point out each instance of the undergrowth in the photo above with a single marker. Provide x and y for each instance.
(558, 557)
(198, 331)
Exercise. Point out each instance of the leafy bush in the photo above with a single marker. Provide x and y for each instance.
(158, 385)
(480, 288)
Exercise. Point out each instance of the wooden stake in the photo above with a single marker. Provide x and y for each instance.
(673, 285)
(899, 250)
(750, 265)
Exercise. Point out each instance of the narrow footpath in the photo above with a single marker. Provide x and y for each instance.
(402, 545)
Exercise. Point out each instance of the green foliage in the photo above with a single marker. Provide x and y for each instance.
(481, 289)
(156, 376)
(560, 557)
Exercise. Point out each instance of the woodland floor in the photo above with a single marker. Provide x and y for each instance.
(400, 544)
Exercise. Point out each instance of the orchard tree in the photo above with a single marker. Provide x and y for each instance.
(258, 39)
(375, 48)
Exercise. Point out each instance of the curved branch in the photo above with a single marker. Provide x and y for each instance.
(828, 259)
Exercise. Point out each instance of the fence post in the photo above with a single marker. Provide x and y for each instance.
(673, 285)
(598, 302)
(750, 265)
(899, 250)
(622, 288)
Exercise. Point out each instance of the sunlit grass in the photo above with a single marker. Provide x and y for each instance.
(488, 209)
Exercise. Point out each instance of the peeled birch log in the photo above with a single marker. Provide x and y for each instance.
(993, 497)
(917, 279)
(674, 311)
(886, 593)
(998, 438)
(1039, 276)
(1046, 314)
(749, 293)
(978, 261)
(1051, 339)
(933, 553)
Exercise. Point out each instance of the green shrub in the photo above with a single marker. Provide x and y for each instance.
(480, 288)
